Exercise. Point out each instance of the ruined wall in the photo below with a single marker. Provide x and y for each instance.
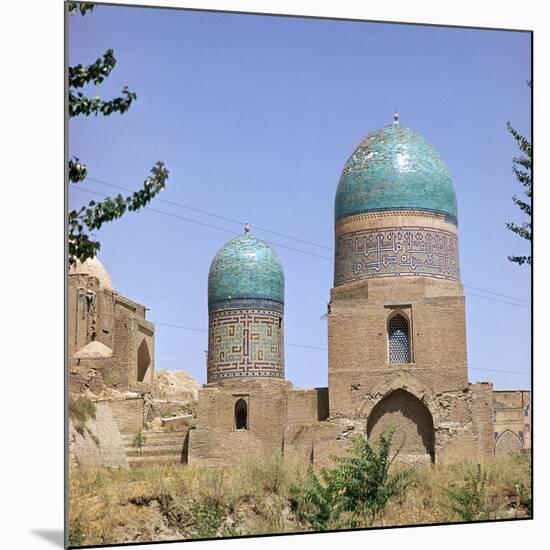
(512, 421)
(101, 314)
(306, 406)
(82, 306)
(99, 442)
(216, 439)
(82, 379)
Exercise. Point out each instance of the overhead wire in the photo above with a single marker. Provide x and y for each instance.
(326, 349)
(204, 224)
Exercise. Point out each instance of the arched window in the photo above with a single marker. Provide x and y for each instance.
(398, 340)
(241, 415)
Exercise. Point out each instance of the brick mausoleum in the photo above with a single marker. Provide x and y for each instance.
(396, 331)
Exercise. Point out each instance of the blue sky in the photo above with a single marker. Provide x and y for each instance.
(255, 117)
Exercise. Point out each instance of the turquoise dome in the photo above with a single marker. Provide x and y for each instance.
(245, 267)
(395, 168)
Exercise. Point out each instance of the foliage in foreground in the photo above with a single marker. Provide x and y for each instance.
(139, 441)
(83, 222)
(175, 502)
(355, 491)
(468, 499)
(81, 409)
(522, 168)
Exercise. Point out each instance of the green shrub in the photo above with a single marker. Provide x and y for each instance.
(139, 441)
(524, 496)
(76, 535)
(82, 409)
(354, 492)
(468, 500)
(209, 519)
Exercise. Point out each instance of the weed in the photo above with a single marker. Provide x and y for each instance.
(139, 441)
(468, 499)
(76, 535)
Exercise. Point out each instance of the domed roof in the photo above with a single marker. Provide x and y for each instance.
(246, 267)
(94, 268)
(93, 350)
(395, 168)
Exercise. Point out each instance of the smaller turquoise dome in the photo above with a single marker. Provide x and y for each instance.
(395, 168)
(245, 267)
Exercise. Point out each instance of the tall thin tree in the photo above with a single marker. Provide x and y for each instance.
(522, 168)
(87, 219)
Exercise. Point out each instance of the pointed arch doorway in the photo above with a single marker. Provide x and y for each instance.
(411, 421)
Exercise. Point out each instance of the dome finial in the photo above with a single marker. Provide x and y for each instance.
(246, 228)
(395, 117)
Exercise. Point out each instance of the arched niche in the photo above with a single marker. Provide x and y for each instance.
(411, 422)
(144, 361)
(508, 443)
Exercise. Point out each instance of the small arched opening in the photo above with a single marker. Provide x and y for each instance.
(399, 347)
(411, 422)
(241, 414)
(144, 361)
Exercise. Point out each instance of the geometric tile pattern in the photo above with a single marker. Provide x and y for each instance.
(245, 343)
(394, 251)
(508, 443)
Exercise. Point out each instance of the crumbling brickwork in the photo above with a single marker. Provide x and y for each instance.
(100, 314)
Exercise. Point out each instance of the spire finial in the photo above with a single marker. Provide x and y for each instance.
(395, 117)
(246, 228)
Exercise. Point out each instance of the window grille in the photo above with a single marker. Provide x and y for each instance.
(398, 335)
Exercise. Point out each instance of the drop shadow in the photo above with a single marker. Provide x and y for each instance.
(55, 536)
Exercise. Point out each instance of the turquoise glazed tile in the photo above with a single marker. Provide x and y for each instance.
(245, 267)
(395, 168)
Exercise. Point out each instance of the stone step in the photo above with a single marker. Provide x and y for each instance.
(151, 436)
(155, 450)
(157, 441)
(129, 444)
(148, 460)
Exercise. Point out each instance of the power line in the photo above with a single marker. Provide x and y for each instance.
(213, 226)
(178, 326)
(206, 213)
(500, 371)
(497, 294)
(204, 224)
(496, 300)
(326, 349)
(204, 330)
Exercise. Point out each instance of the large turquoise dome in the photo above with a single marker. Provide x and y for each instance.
(395, 168)
(246, 267)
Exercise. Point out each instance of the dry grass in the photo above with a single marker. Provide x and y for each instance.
(176, 502)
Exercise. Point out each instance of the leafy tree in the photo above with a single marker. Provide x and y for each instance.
(522, 168)
(356, 491)
(84, 221)
(468, 500)
(82, 7)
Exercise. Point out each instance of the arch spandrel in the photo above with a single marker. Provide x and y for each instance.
(405, 382)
